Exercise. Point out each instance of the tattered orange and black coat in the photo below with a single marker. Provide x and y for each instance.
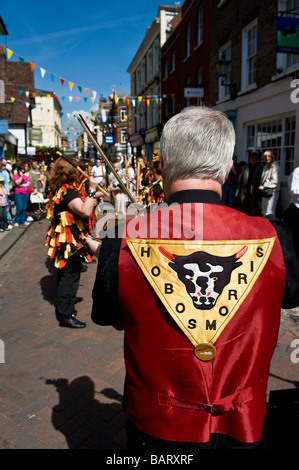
(66, 231)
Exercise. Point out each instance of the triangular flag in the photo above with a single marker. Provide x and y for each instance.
(71, 85)
(204, 315)
(85, 99)
(32, 65)
(62, 81)
(27, 93)
(52, 77)
(70, 98)
(12, 99)
(77, 98)
(9, 53)
(87, 91)
(92, 99)
(22, 60)
(80, 88)
(42, 72)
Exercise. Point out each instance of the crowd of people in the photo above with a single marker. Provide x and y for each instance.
(252, 188)
(23, 191)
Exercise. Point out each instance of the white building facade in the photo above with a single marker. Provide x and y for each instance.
(145, 79)
(46, 120)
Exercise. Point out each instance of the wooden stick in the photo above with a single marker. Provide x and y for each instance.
(126, 170)
(137, 178)
(108, 163)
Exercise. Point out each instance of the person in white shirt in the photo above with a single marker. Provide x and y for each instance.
(98, 172)
(291, 215)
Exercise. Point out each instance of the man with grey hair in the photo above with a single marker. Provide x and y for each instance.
(197, 288)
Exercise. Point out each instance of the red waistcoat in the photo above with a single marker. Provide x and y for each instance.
(172, 394)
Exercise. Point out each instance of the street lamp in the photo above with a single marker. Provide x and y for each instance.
(223, 68)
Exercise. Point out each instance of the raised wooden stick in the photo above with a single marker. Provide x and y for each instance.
(107, 161)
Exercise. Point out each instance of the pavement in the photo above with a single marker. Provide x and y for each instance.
(62, 388)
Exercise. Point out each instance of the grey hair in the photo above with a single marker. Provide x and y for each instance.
(197, 143)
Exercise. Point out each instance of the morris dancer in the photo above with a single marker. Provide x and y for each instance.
(70, 214)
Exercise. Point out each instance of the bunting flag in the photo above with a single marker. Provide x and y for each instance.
(9, 53)
(133, 100)
(139, 101)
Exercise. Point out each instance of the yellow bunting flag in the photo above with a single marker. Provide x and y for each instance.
(9, 53)
(71, 85)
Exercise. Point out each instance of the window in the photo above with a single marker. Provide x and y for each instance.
(200, 25)
(123, 114)
(278, 136)
(173, 61)
(284, 61)
(149, 65)
(188, 39)
(249, 50)
(199, 82)
(173, 104)
(224, 91)
(165, 69)
(187, 85)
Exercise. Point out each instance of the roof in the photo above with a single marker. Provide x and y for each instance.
(3, 30)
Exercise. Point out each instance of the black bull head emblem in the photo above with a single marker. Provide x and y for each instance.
(204, 275)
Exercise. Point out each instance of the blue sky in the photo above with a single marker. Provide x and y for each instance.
(90, 44)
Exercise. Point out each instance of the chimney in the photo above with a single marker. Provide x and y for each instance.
(2, 63)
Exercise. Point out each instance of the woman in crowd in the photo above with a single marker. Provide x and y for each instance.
(22, 183)
(270, 179)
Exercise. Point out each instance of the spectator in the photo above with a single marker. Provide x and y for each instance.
(4, 225)
(22, 183)
(229, 188)
(36, 197)
(249, 183)
(291, 215)
(7, 176)
(270, 180)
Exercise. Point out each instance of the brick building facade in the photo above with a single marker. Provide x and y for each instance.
(18, 81)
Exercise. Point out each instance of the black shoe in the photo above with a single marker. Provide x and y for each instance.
(71, 322)
(78, 299)
(83, 269)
